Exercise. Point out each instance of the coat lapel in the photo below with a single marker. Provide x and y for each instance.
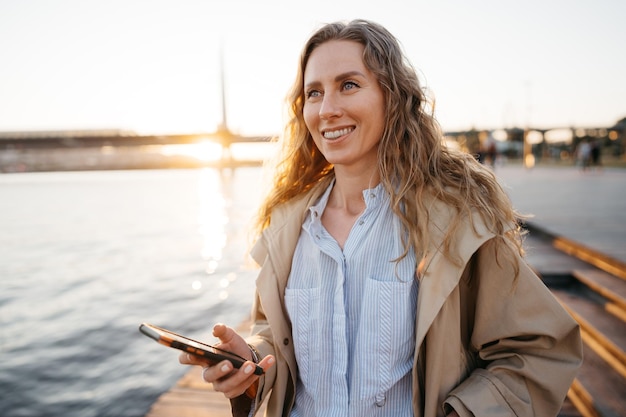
(438, 275)
(274, 252)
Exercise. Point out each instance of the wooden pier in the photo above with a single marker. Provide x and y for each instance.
(191, 397)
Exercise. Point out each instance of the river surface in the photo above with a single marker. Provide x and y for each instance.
(85, 257)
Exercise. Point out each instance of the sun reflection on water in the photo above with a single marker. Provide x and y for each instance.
(212, 221)
(217, 219)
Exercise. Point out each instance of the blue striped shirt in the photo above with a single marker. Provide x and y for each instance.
(353, 315)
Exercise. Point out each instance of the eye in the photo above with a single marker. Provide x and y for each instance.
(312, 94)
(350, 85)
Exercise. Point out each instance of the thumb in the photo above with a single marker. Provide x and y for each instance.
(223, 332)
(231, 340)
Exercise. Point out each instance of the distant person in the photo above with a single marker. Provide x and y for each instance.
(596, 153)
(392, 281)
(583, 154)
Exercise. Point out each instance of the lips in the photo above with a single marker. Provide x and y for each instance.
(334, 134)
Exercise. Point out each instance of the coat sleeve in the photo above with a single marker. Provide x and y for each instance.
(530, 347)
(261, 338)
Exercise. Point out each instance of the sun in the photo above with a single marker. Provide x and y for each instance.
(205, 151)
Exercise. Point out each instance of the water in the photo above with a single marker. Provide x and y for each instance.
(85, 257)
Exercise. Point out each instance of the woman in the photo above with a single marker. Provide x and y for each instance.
(392, 281)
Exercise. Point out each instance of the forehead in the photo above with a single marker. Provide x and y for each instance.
(334, 57)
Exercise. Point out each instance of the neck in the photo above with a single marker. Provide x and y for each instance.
(347, 194)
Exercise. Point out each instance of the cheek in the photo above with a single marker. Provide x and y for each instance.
(310, 118)
(381, 118)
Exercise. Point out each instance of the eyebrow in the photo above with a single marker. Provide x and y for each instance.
(339, 77)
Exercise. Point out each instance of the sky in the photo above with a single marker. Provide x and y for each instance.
(153, 66)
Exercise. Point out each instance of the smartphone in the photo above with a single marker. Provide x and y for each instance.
(212, 353)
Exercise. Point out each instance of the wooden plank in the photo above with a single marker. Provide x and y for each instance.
(191, 397)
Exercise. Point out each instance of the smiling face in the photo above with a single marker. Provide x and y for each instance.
(344, 108)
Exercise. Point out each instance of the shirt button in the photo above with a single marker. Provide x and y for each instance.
(361, 223)
(285, 341)
(380, 400)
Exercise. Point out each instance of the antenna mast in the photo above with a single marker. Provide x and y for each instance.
(224, 124)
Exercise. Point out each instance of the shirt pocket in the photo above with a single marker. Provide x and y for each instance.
(303, 306)
(385, 343)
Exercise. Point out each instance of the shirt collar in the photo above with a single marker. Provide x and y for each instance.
(373, 198)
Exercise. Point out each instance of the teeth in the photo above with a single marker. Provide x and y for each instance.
(336, 133)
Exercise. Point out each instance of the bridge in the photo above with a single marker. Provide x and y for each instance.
(224, 137)
(113, 149)
(100, 138)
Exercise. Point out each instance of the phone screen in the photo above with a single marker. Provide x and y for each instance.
(174, 340)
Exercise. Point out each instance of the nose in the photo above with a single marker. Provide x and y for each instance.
(330, 107)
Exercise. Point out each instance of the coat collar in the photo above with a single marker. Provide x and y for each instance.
(284, 229)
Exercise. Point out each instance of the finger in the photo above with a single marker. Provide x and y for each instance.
(244, 380)
(189, 359)
(231, 340)
(223, 332)
(238, 382)
(267, 362)
(186, 359)
(216, 373)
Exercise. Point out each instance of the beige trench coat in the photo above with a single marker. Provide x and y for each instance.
(484, 346)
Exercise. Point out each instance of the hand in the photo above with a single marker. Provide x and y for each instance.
(224, 377)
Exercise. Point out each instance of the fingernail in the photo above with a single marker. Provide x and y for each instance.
(247, 370)
(271, 361)
(225, 367)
